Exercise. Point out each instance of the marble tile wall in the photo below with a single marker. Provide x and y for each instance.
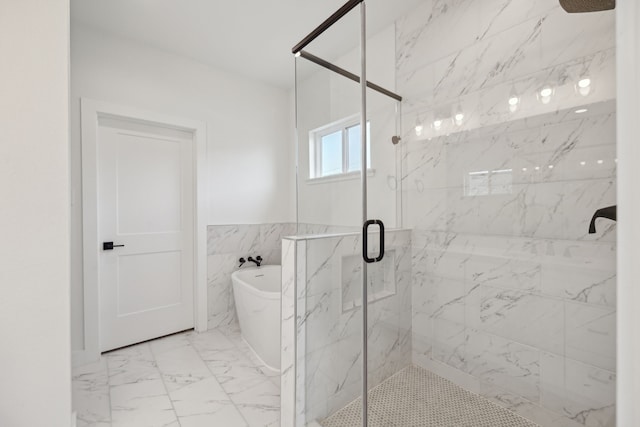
(511, 297)
(225, 245)
(328, 361)
(287, 334)
(471, 57)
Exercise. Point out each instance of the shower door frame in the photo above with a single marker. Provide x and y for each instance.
(298, 51)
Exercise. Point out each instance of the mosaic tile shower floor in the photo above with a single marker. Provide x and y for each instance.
(415, 397)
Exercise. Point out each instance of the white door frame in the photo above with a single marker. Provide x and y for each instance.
(628, 235)
(91, 111)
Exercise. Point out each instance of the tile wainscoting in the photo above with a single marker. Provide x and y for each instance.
(225, 245)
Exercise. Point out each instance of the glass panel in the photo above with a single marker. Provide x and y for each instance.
(331, 154)
(330, 214)
(354, 140)
(383, 183)
(491, 282)
(508, 150)
(388, 281)
(329, 259)
(326, 103)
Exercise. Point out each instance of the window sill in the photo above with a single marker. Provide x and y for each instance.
(339, 177)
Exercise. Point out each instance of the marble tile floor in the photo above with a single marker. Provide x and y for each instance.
(183, 380)
(415, 397)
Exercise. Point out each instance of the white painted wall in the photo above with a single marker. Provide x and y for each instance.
(628, 68)
(35, 374)
(250, 153)
(325, 97)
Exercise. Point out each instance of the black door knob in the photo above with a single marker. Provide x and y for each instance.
(108, 246)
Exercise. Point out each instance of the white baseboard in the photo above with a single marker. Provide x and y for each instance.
(83, 357)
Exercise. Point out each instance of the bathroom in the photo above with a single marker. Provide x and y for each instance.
(490, 279)
(486, 274)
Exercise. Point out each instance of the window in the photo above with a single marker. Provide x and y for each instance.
(335, 149)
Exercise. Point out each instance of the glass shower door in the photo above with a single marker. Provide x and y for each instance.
(388, 262)
(348, 172)
(329, 220)
(498, 305)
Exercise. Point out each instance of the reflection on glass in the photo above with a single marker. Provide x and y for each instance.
(584, 86)
(331, 153)
(354, 143)
(477, 183)
(545, 94)
(514, 101)
(484, 183)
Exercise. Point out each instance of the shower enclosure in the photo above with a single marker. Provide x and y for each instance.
(448, 166)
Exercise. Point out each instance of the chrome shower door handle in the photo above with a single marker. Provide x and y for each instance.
(365, 241)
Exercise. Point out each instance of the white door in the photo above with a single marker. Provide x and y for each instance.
(146, 208)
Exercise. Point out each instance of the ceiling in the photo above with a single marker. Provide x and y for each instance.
(252, 38)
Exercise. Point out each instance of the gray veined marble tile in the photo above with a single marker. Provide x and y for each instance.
(448, 299)
(83, 423)
(591, 335)
(287, 381)
(504, 272)
(91, 393)
(449, 343)
(221, 305)
(220, 362)
(582, 393)
(181, 367)
(264, 394)
(132, 365)
(224, 415)
(201, 397)
(532, 314)
(271, 237)
(523, 317)
(210, 341)
(563, 37)
(524, 407)
(271, 257)
(92, 377)
(141, 404)
(232, 238)
(166, 383)
(420, 32)
(170, 343)
(237, 378)
(261, 416)
(580, 281)
(507, 364)
(499, 15)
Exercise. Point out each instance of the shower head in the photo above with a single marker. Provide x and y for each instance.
(579, 6)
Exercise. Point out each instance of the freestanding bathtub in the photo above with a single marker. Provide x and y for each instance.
(257, 292)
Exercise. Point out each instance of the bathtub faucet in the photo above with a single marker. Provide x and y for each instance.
(258, 260)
